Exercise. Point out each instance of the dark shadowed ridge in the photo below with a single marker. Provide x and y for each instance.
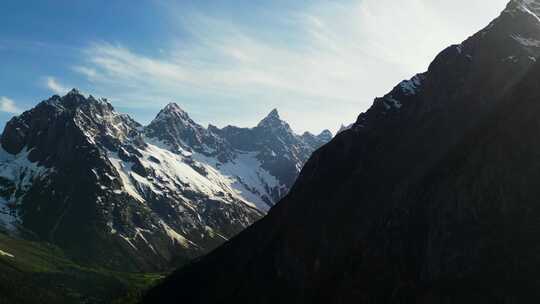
(431, 197)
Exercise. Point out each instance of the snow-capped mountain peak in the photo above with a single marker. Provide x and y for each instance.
(172, 189)
(74, 162)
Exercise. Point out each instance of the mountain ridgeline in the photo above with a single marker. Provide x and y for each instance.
(430, 197)
(115, 194)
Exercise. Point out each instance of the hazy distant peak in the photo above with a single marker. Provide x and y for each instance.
(274, 114)
(273, 120)
(325, 135)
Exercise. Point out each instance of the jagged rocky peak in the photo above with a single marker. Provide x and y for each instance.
(274, 114)
(271, 117)
(73, 114)
(174, 127)
(316, 141)
(74, 92)
(75, 95)
(97, 118)
(325, 135)
(173, 110)
(273, 121)
(174, 120)
(173, 107)
(74, 100)
(172, 116)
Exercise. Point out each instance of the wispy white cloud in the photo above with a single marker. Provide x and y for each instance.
(337, 57)
(90, 73)
(7, 105)
(52, 84)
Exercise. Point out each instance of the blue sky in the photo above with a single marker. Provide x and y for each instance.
(320, 63)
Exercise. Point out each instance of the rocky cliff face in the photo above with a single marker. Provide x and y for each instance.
(430, 197)
(113, 193)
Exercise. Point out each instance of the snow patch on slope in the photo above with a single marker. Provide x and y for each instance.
(176, 237)
(17, 174)
(246, 177)
(125, 172)
(174, 171)
(185, 171)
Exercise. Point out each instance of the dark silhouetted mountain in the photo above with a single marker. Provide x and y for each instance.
(431, 197)
(113, 193)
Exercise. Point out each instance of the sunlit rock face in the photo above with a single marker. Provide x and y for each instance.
(430, 197)
(111, 192)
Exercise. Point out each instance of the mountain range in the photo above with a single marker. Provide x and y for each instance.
(430, 197)
(113, 193)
